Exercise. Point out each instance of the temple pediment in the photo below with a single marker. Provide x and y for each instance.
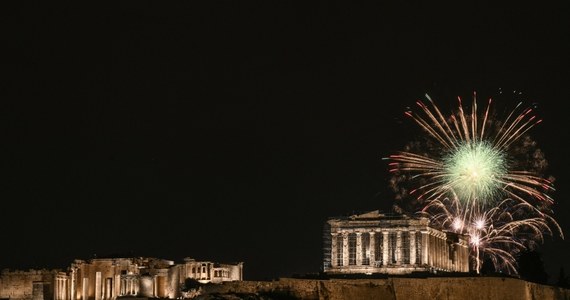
(369, 215)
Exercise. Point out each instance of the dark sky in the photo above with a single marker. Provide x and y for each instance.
(231, 131)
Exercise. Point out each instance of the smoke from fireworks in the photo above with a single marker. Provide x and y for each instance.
(479, 176)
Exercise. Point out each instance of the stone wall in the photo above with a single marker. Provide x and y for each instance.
(20, 284)
(42, 291)
(448, 288)
(36, 285)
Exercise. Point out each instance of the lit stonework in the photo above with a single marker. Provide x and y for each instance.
(110, 278)
(379, 243)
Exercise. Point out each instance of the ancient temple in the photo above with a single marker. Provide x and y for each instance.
(112, 278)
(391, 244)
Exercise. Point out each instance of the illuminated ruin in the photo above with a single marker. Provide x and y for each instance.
(109, 278)
(391, 244)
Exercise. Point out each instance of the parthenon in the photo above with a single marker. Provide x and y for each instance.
(391, 244)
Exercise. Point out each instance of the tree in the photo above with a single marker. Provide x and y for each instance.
(531, 267)
(190, 284)
(487, 267)
(563, 279)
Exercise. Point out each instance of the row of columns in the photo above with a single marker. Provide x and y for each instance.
(372, 248)
(104, 288)
(461, 257)
(60, 288)
(198, 271)
(439, 251)
(110, 288)
(129, 286)
(446, 256)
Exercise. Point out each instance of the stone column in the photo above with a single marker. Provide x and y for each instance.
(117, 289)
(412, 248)
(399, 247)
(372, 246)
(439, 251)
(60, 289)
(442, 251)
(56, 288)
(384, 248)
(425, 244)
(155, 284)
(446, 256)
(334, 250)
(434, 257)
(455, 258)
(460, 262)
(359, 248)
(85, 289)
(97, 285)
(436, 251)
(429, 251)
(445, 252)
(345, 249)
(73, 286)
(108, 288)
(464, 259)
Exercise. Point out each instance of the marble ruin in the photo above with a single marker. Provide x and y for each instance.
(391, 244)
(110, 278)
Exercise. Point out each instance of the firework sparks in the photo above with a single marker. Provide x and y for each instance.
(497, 233)
(471, 183)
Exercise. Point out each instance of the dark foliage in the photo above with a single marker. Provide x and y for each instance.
(531, 267)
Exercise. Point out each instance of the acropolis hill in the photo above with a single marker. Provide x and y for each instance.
(397, 288)
(365, 256)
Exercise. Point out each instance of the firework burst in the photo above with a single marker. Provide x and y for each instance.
(473, 182)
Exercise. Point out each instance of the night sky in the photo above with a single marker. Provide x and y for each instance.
(231, 131)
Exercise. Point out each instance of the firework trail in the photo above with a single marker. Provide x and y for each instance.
(473, 177)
